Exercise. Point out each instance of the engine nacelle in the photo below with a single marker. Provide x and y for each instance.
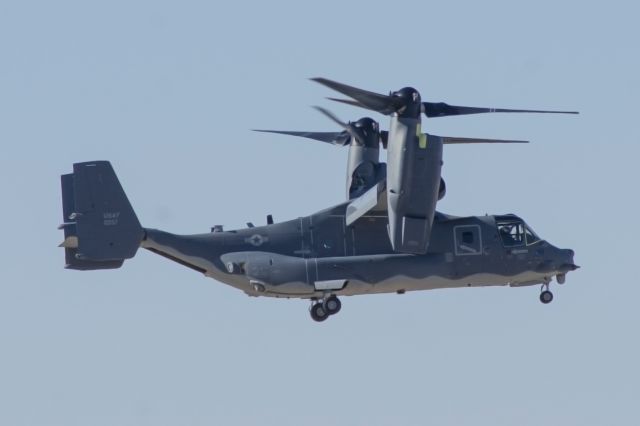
(364, 154)
(414, 185)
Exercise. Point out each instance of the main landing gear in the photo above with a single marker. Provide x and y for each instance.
(322, 309)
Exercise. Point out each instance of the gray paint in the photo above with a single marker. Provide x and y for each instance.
(413, 184)
(319, 247)
(362, 169)
(393, 239)
(287, 259)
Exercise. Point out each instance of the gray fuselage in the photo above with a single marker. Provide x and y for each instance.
(313, 256)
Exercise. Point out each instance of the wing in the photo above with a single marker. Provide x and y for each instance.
(373, 201)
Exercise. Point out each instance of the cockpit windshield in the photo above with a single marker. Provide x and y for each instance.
(530, 236)
(514, 232)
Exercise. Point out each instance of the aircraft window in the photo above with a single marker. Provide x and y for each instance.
(467, 237)
(532, 238)
(467, 240)
(511, 233)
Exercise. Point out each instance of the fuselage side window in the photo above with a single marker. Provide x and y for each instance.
(467, 237)
(467, 240)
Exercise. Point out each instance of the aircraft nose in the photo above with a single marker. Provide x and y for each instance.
(567, 258)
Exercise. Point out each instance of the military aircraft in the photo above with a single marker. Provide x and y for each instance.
(386, 238)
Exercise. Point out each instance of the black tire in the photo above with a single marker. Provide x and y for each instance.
(318, 312)
(332, 305)
(546, 297)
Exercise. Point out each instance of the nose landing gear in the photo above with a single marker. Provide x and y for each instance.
(321, 309)
(545, 295)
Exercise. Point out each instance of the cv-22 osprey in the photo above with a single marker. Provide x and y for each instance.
(386, 238)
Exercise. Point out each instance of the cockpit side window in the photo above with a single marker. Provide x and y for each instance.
(512, 233)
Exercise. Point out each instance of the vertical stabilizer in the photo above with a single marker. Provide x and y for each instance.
(101, 229)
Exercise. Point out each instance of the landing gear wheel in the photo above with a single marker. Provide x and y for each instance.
(332, 305)
(546, 297)
(318, 312)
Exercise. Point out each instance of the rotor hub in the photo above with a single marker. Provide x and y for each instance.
(368, 132)
(407, 102)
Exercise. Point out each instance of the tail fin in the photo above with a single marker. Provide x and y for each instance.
(101, 229)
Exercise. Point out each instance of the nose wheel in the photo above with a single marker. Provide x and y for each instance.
(322, 309)
(545, 295)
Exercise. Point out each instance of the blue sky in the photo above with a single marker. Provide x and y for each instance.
(167, 91)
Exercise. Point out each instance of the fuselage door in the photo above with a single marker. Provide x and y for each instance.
(328, 236)
(467, 240)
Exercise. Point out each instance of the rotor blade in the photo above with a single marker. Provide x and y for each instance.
(348, 102)
(332, 117)
(441, 109)
(455, 140)
(346, 126)
(375, 101)
(335, 138)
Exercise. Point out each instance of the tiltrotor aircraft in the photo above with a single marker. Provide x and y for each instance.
(387, 237)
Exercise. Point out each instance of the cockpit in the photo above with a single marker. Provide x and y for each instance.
(514, 232)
